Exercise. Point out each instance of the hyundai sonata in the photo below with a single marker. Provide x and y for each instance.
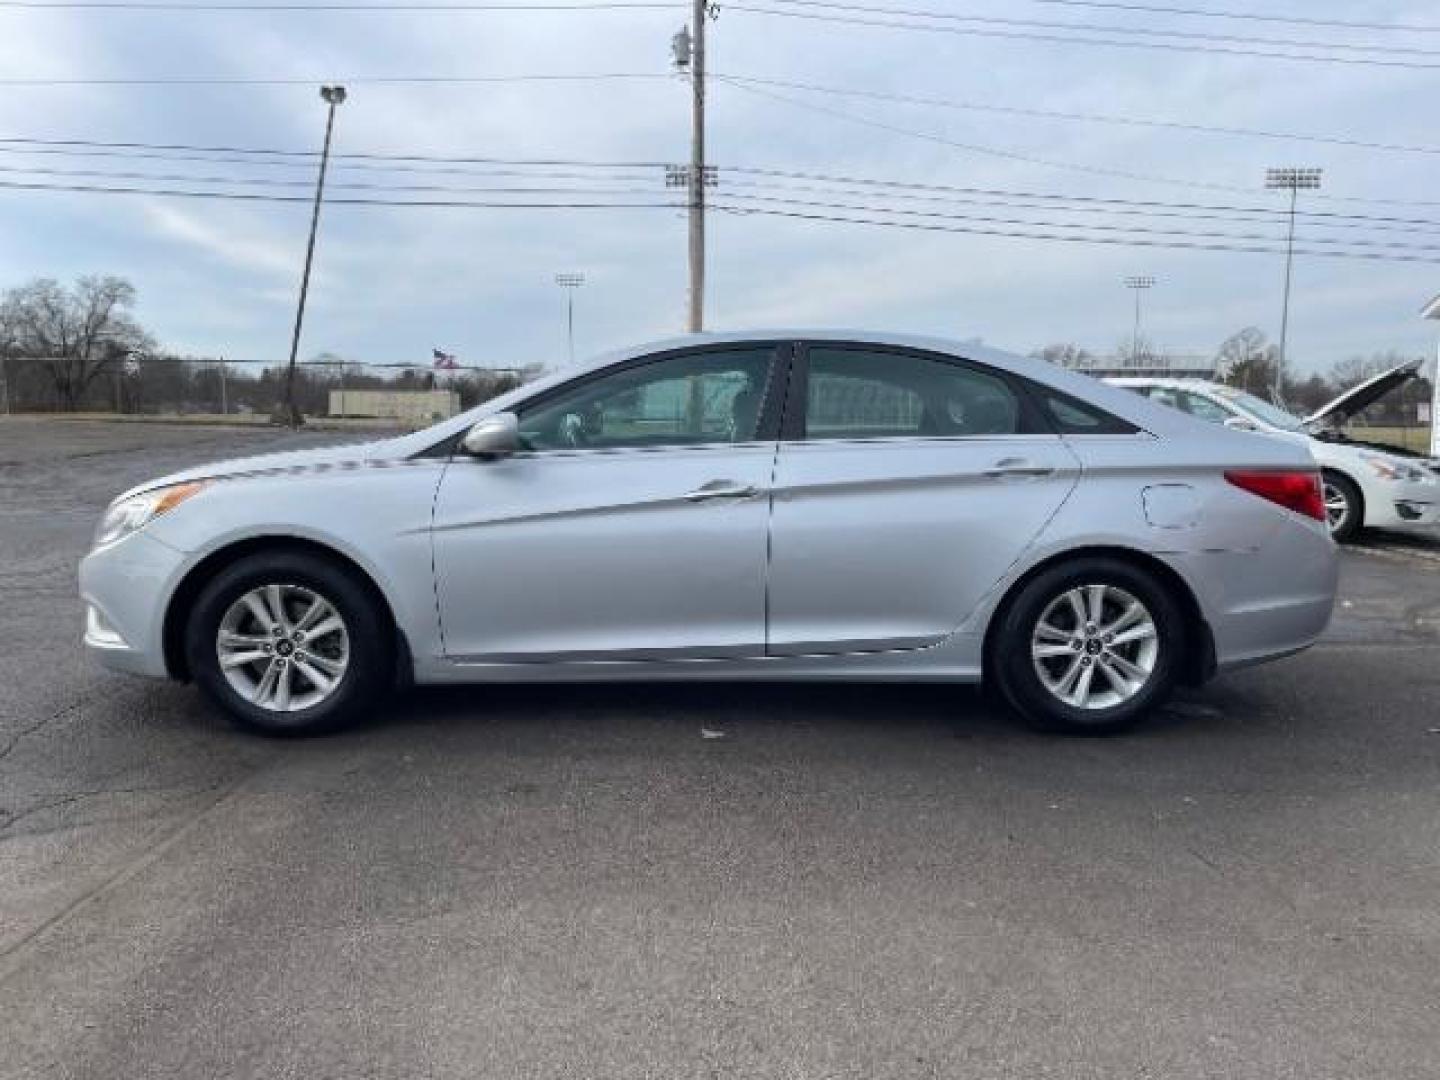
(777, 506)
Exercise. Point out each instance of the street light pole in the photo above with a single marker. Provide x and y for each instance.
(570, 282)
(332, 96)
(1291, 180)
(1138, 284)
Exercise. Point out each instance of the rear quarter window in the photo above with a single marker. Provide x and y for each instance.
(1071, 416)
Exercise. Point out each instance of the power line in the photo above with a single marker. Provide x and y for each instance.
(462, 164)
(206, 7)
(843, 186)
(1127, 208)
(441, 7)
(1071, 233)
(246, 196)
(976, 148)
(1141, 229)
(1067, 238)
(1100, 118)
(366, 80)
(1102, 28)
(1031, 159)
(1249, 16)
(1064, 39)
(22, 143)
(174, 178)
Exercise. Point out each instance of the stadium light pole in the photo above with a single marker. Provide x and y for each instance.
(1138, 283)
(1293, 181)
(333, 96)
(570, 282)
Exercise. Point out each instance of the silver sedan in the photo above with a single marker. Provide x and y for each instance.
(789, 506)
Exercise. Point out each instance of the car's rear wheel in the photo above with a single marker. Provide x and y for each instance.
(1344, 506)
(1089, 647)
(288, 643)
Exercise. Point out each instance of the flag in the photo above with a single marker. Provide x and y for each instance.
(444, 361)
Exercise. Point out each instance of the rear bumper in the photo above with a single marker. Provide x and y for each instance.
(1267, 603)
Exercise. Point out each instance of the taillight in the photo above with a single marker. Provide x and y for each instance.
(1298, 490)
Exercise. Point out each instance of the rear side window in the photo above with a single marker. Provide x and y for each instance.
(857, 393)
(1071, 416)
(1203, 408)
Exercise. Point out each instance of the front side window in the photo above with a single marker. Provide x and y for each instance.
(867, 394)
(683, 400)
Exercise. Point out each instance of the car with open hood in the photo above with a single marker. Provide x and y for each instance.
(1367, 484)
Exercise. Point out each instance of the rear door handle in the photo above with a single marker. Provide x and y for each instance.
(1017, 467)
(721, 489)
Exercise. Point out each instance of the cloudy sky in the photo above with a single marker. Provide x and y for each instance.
(219, 277)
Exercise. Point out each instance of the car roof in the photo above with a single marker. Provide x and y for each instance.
(1135, 409)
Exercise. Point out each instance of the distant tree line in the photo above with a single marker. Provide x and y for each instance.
(79, 348)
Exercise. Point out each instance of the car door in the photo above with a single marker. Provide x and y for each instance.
(631, 526)
(906, 484)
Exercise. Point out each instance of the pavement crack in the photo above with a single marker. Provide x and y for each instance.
(25, 733)
(59, 799)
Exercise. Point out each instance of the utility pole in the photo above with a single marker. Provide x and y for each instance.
(1291, 180)
(1137, 284)
(697, 173)
(332, 96)
(224, 405)
(570, 282)
(689, 56)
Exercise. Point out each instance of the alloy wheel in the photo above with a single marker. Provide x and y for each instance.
(1095, 646)
(1337, 507)
(283, 648)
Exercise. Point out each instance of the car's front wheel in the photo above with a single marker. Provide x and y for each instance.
(288, 643)
(1344, 506)
(1089, 647)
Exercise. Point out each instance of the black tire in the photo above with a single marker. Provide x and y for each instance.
(370, 660)
(1348, 527)
(1014, 668)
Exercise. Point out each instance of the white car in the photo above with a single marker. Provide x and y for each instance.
(1366, 484)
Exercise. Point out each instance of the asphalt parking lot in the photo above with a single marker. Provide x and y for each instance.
(584, 882)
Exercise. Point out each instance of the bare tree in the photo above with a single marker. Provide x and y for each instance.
(1139, 353)
(1354, 370)
(1066, 354)
(1247, 360)
(74, 335)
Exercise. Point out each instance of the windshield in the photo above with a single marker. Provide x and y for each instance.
(1261, 409)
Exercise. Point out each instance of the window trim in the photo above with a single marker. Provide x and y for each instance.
(767, 424)
(1030, 420)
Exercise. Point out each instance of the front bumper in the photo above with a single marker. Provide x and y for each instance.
(126, 587)
(1406, 511)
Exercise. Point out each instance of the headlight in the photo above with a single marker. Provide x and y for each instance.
(1390, 469)
(128, 515)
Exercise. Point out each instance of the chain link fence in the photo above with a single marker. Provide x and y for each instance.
(202, 387)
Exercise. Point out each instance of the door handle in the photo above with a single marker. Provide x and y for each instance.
(720, 489)
(1017, 467)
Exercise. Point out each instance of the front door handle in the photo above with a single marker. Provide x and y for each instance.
(721, 489)
(1017, 467)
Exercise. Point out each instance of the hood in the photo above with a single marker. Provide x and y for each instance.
(1367, 393)
(348, 455)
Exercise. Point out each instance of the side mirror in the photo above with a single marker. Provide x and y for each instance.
(496, 436)
(1239, 423)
